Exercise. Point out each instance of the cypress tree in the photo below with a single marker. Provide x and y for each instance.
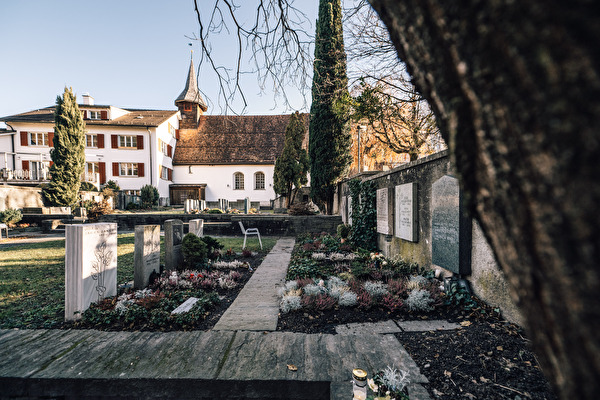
(291, 167)
(329, 144)
(68, 153)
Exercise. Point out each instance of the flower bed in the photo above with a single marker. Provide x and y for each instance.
(330, 283)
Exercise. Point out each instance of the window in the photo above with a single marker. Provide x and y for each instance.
(91, 140)
(128, 169)
(187, 106)
(171, 130)
(164, 173)
(91, 168)
(163, 147)
(259, 181)
(238, 181)
(38, 139)
(128, 141)
(95, 115)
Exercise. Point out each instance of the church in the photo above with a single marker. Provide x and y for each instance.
(184, 153)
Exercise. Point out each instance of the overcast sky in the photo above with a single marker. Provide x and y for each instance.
(126, 53)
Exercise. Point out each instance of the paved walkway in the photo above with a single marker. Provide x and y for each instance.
(256, 307)
(243, 354)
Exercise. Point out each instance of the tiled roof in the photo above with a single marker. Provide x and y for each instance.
(146, 118)
(190, 92)
(254, 139)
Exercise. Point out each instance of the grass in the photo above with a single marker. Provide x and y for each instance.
(32, 278)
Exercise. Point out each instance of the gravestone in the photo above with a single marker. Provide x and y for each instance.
(146, 257)
(344, 210)
(90, 266)
(246, 205)
(173, 238)
(450, 227)
(405, 215)
(383, 225)
(185, 306)
(349, 203)
(197, 227)
(187, 206)
(223, 204)
(201, 205)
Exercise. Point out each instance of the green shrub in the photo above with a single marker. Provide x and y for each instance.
(194, 250)
(214, 211)
(10, 216)
(132, 206)
(149, 196)
(343, 231)
(212, 244)
(87, 187)
(112, 185)
(95, 210)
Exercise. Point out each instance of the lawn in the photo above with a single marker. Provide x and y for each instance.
(32, 278)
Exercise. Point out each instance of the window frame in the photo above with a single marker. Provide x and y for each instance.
(44, 139)
(128, 169)
(95, 115)
(164, 173)
(238, 181)
(124, 139)
(94, 139)
(260, 174)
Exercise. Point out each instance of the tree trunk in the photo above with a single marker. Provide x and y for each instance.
(516, 90)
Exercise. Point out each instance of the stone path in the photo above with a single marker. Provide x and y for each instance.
(257, 305)
(243, 354)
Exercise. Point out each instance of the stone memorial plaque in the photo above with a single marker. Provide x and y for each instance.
(196, 227)
(185, 306)
(450, 227)
(383, 225)
(349, 204)
(90, 266)
(173, 238)
(344, 210)
(405, 212)
(146, 257)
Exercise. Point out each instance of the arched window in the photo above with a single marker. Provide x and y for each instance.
(259, 181)
(238, 181)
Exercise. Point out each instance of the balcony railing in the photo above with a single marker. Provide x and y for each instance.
(40, 175)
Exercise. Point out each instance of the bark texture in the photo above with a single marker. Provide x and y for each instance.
(516, 90)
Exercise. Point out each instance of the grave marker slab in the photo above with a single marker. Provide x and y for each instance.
(405, 215)
(146, 257)
(349, 203)
(197, 227)
(173, 238)
(185, 306)
(450, 227)
(90, 266)
(383, 225)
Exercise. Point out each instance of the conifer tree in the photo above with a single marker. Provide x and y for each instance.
(329, 145)
(68, 153)
(291, 167)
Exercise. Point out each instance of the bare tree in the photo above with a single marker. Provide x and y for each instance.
(278, 45)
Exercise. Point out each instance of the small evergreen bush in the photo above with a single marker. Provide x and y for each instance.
(10, 216)
(290, 303)
(348, 299)
(149, 195)
(194, 250)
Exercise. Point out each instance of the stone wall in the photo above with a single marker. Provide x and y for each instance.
(228, 224)
(486, 279)
(19, 197)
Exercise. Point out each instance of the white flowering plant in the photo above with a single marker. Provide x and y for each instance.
(389, 384)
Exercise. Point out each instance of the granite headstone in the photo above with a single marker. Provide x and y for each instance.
(146, 255)
(173, 238)
(405, 215)
(450, 227)
(383, 223)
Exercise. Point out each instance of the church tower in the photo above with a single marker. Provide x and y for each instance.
(190, 103)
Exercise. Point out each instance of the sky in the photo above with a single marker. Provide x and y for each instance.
(126, 53)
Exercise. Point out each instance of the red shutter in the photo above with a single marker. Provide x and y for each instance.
(169, 150)
(102, 172)
(115, 169)
(25, 164)
(140, 142)
(84, 114)
(100, 141)
(177, 134)
(114, 141)
(51, 163)
(170, 174)
(103, 114)
(140, 169)
(24, 141)
(51, 139)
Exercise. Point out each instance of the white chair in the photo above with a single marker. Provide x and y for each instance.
(5, 227)
(251, 231)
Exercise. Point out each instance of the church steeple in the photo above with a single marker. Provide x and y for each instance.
(190, 102)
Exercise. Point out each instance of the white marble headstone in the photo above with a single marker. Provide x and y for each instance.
(197, 227)
(383, 225)
(90, 266)
(405, 215)
(146, 257)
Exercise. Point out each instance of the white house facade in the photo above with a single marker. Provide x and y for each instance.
(183, 153)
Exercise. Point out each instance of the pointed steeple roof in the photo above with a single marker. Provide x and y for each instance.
(191, 93)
